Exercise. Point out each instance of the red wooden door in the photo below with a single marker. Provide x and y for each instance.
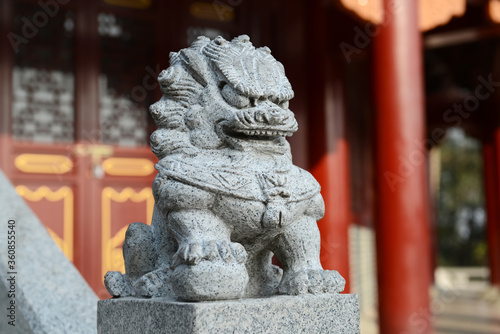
(75, 123)
(77, 81)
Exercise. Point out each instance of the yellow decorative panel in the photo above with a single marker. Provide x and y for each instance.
(494, 10)
(432, 13)
(128, 166)
(66, 195)
(112, 258)
(435, 13)
(213, 11)
(369, 10)
(43, 163)
(137, 4)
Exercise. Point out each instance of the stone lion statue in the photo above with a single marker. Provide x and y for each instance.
(227, 196)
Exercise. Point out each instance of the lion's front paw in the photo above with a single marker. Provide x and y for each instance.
(311, 281)
(117, 285)
(333, 281)
(151, 284)
(194, 252)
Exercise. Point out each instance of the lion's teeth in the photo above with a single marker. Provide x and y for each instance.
(268, 133)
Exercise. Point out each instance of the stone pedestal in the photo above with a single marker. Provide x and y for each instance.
(328, 313)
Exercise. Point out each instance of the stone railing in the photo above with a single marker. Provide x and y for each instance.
(473, 279)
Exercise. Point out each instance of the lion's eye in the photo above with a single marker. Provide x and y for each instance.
(234, 98)
(282, 104)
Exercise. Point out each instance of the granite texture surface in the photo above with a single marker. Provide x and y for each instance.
(227, 195)
(21, 325)
(315, 314)
(50, 294)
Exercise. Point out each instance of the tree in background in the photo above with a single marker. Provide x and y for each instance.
(461, 223)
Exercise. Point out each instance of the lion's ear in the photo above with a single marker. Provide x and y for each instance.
(165, 142)
(196, 65)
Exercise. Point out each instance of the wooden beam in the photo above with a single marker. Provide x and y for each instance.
(463, 36)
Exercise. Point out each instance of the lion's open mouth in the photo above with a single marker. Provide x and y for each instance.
(259, 125)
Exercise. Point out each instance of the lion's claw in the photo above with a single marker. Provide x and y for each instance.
(311, 281)
(194, 252)
(148, 285)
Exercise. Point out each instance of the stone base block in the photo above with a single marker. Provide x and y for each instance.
(277, 314)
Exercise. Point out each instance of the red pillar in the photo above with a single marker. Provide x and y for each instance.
(402, 227)
(328, 149)
(332, 172)
(491, 161)
(88, 206)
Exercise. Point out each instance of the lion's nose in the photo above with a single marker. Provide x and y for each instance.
(277, 116)
(271, 116)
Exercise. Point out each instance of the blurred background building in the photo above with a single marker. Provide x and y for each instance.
(398, 107)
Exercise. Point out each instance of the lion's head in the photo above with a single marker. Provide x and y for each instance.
(220, 94)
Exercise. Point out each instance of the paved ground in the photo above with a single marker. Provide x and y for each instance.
(468, 315)
(454, 313)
